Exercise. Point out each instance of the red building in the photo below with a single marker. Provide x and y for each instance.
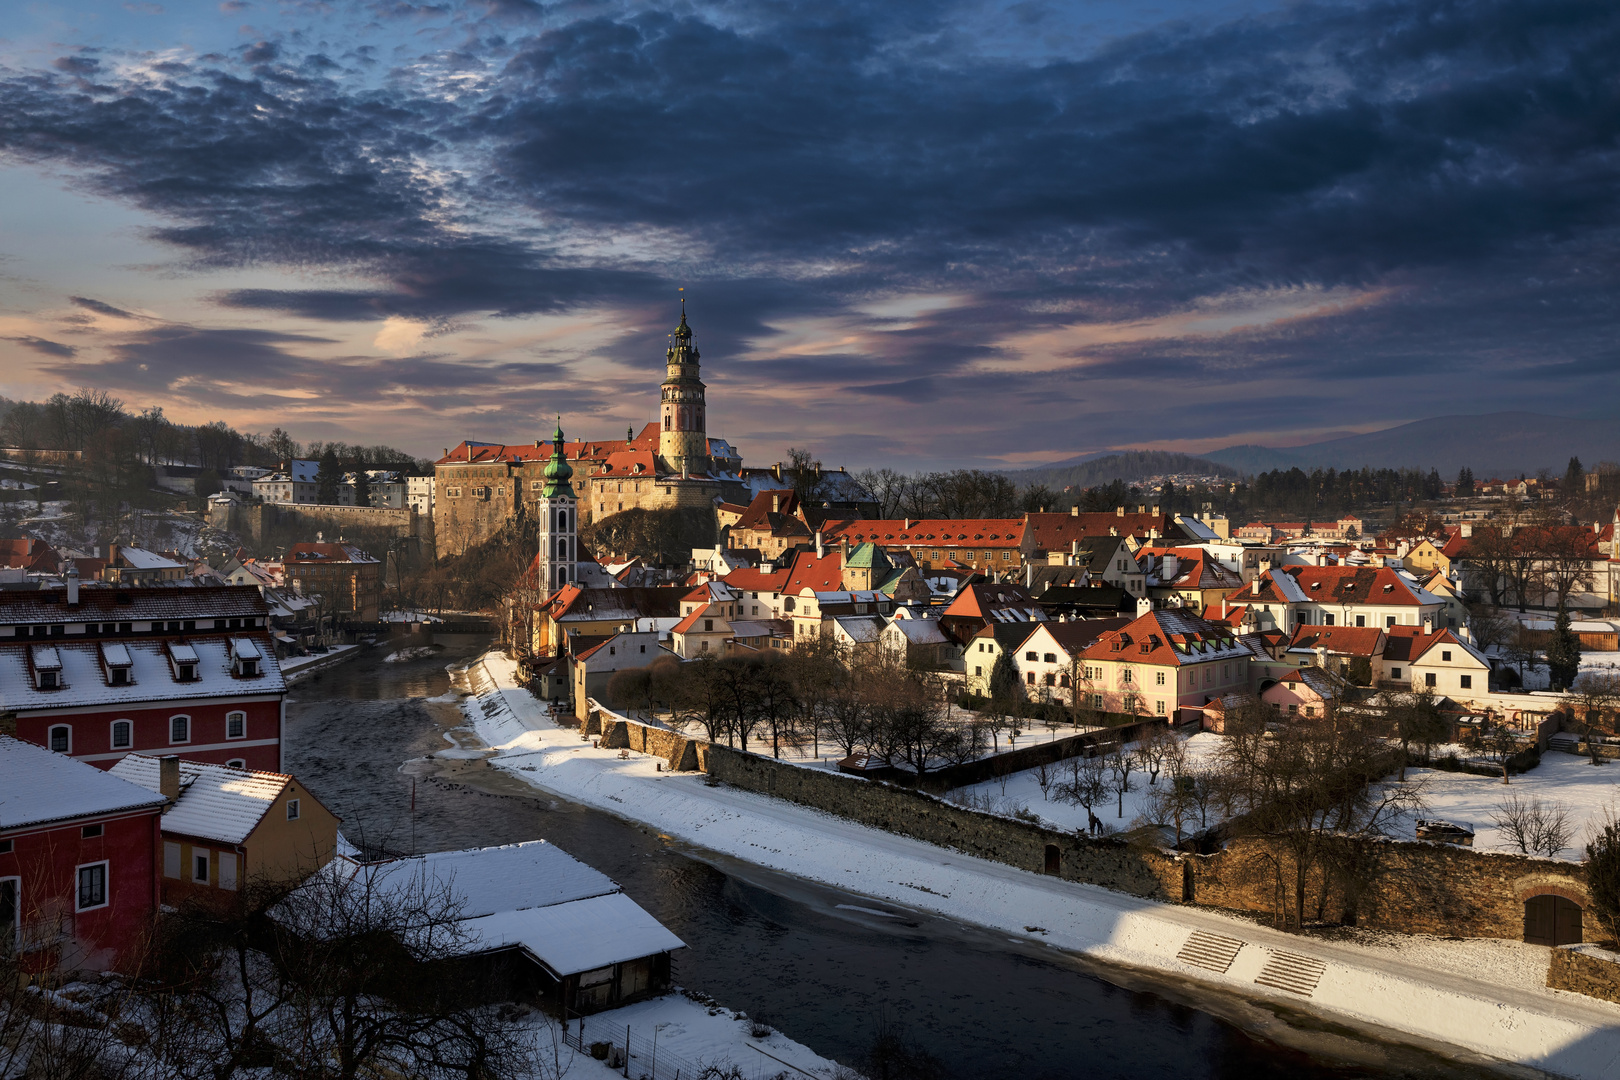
(100, 672)
(78, 861)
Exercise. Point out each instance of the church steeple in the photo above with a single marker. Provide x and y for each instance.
(683, 442)
(557, 510)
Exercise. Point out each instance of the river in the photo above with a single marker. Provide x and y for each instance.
(359, 736)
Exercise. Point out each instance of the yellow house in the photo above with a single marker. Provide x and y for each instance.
(226, 827)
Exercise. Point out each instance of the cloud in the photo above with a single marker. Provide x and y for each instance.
(101, 308)
(1334, 195)
(47, 347)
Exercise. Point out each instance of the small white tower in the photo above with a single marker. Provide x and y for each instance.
(559, 522)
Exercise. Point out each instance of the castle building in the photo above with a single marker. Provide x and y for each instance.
(480, 488)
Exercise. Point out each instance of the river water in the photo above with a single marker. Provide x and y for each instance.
(360, 735)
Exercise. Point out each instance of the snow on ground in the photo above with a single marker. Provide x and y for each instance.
(1463, 799)
(1539, 677)
(415, 652)
(1022, 791)
(1487, 997)
(294, 664)
(695, 1034)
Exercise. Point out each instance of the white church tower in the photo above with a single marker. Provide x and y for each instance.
(558, 521)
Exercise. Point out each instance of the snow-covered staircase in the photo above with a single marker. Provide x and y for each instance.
(1292, 972)
(1212, 951)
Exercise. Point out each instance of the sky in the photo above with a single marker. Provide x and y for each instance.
(909, 234)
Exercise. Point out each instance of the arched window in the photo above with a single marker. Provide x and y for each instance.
(236, 763)
(562, 521)
(666, 421)
(121, 734)
(562, 548)
(179, 729)
(562, 576)
(61, 739)
(236, 725)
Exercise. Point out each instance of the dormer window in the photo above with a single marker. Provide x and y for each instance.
(184, 659)
(245, 658)
(117, 663)
(47, 663)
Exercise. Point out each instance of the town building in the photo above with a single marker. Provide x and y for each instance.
(1165, 663)
(595, 667)
(136, 566)
(586, 944)
(100, 673)
(348, 581)
(419, 494)
(482, 487)
(78, 862)
(293, 482)
(30, 555)
(1286, 597)
(225, 827)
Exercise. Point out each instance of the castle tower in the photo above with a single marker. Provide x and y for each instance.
(683, 441)
(558, 521)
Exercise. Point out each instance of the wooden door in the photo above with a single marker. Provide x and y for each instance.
(1552, 920)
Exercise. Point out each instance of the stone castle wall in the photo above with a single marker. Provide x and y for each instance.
(257, 519)
(1585, 969)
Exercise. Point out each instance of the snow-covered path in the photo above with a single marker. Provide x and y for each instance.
(1484, 995)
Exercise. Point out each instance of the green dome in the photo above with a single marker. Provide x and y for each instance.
(558, 472)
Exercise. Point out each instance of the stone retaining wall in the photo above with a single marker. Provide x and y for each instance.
(620, 732)
(1585, 969)
(1028, 757)
(1419, 887)
(1111, 863)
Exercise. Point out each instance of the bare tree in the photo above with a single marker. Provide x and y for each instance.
(1085, 784)
(1533, 826)
(1120, 764)
(1499, 745)
(1596, 700)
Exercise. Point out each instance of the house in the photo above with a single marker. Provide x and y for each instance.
(706, 615)
(922, 644)
(1107, 560)
(98, 673)
(815, 613)
(569, 929)
(986, 545)
(982, 604)
(772, 524)
(30, 555)
(137, 566)
(1341, 649)
(293, 482)
(1048, 661)
(1440, 660)
(579, 611)
(1289, 596)
(1432, 555)
(225, 827)
(1167, 663)
(987, 644)
(419, 494)
(596, 666)
(1185, 577)
(1308, 692)
(1049, 532)
(348, 581)
(78, 861)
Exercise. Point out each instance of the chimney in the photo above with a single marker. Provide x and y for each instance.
(1321, 656)
(1428, 624)
(1223, 609)
(73, 585)
(1155, 508)
(1119, 511)
(1113, 530)
(820, 552)
(169, 777)
(1074, 511)
(1029, 575)
(1466, 634)
(1143, 606)
(112, 554)
(776, 470)
(445, 454)
(907, 527)
(1254, 587)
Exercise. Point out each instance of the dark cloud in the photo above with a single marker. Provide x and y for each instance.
(101, 308)
(43, 345)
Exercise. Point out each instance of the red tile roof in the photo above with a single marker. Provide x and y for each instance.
(916, 532)
(824, 574)
(1054, 531)
(1340, 640)
(590, 449)
(978, 600)
(1152, 639)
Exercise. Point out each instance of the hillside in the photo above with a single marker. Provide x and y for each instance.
(1128, 466)
(1491, 444)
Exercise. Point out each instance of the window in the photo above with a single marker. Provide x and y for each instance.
(118, 677)
(236, 763)
(292, 809)
(1389, 620)
(1096, 701)
(978, 670)
(1467, 682)
(1029, 677)
(1361, 620)
(90, 832)
(1428, 678)
(1445, 655)
(186, 672)
(47, 680)
(1394, 672)
(1051, 658)
(236, 725)
(1063, 680)
(1158, 678)
(199, 866)
(1029, 656)
(1125, 676)
(92, 886)
(1158, 707)
(708, 624)
(62, 739)
(179, 729)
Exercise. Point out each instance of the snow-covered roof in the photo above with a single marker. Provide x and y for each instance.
(116, 654)
(151, 677)
(577, 936)
(920, 631)
(243, 649)
(38, 786)
(860, 627)
(141, 559)
(142, 604)
(216, 802)
(46, 658)
(512, 877)
(182, 653)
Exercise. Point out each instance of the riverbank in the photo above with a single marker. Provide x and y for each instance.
(1483, 995)
(298, 667)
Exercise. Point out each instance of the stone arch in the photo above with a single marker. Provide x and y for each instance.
(1053, 862)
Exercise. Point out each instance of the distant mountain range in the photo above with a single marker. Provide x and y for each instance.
(1092, 470)
(1491, 444)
